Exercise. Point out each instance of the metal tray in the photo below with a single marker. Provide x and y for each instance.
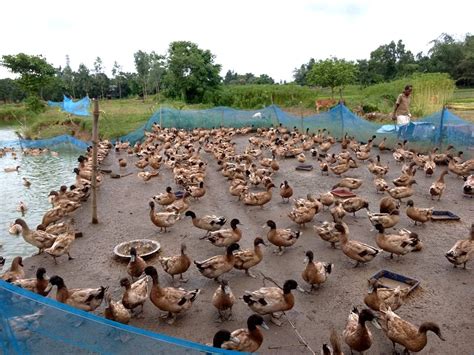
(393, 280)
(444, 216)
(343, 193)
(305, 167)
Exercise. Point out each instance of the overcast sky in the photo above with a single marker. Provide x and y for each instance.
(257, 36)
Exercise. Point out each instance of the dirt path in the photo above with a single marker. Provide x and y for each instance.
(445, 295)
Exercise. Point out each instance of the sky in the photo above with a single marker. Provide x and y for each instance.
(246, 36)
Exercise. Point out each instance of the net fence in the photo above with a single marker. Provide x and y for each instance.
(440, 129)
(32, 324)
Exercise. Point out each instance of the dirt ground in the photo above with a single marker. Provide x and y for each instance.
(444, 295)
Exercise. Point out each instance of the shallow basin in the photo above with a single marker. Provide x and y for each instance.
(145, 248)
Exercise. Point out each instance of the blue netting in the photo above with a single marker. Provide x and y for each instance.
(46, 143)
(78, 108)
(32, 324)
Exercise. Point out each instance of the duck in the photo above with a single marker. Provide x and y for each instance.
(26, 182)
(11, 169)
(86, 299)
(225, 237)
(248, 258)
(323, 166)
(468, 186)
(315, 273)
(122, 162)
(37, 285)
(209, 223)
(271, 300)
(247, 339)
(163, 220)
(417, 214)
(398, 244)
(218, 265)
(169, 299)
(462, 251)
(380, 184)
(379, 297)
(358, 251)
(327, 199)
(176, 264)
(116, 311)
(437, 188)
(281, 237)
(165, 198)
(197, 191)
(377, 169)
(406, 177)
(429, 166)
(223, 299)
(356, 334)
(286, 191)
(354, 204)
(341, 168)
(258, 198)
(337, 212)
(402, 332)
(61, 245)
(350, 183)
(146, 175)
(136, 265)
(22, 207)
(14, 229)
(387, 220)
(335, 344)
(37, 238)
(303, 214)
(15, 272)
(135, 294)
(329, 233)
(403, 191)
(2, 260)
(180, 205)
(388, 204)
(222, 336)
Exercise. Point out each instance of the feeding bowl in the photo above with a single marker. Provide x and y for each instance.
(145, 248)
(343, 193)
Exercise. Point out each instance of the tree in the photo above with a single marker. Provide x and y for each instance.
(82, 81)
(157, 70)
(10, 91)
(101, 80)
(301, 73)
(191, 72)
(116, 75)
(34, 71)
(332, 73)
(68, 78)
(143, 66)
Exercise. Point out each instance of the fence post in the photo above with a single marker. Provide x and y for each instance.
(95, 131)
(441, 125)
(342, 120)
(161, 119)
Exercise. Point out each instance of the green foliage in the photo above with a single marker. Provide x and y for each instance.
(333, 73)
(35, 72)
(232, 78)
(191, 72)
(10, 91)
(34, 104)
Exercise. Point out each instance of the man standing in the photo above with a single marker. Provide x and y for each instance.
(401, 112)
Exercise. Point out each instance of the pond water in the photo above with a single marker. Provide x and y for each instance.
(46, 173)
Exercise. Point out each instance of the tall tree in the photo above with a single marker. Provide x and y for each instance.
(100, 78)
(157, 70)
(82, 80)
(333, 73)
(191, 72)
(300, 74)
(68, 78)
(143, 66)
(116, 75)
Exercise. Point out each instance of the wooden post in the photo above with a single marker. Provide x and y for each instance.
(95, 131)
(161, 119)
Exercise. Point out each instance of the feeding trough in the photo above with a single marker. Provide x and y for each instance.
(304, 167)
(444, 216)
(145, 248)
(389, 279)
(343, 193)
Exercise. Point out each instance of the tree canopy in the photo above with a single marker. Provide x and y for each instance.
(333, 73)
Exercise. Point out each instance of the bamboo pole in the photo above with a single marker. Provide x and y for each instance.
(95, 131)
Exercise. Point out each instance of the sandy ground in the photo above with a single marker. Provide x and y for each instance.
(445, 294)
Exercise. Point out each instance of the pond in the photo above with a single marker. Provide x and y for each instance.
(46, 173)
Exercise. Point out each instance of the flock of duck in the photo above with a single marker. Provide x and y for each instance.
(251, 179)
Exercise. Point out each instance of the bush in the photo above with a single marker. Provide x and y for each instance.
(34, 104)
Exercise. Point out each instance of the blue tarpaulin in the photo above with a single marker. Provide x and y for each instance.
(78, 108)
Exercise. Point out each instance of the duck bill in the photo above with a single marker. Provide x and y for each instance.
(48, 288)
(305, 260)
(132, 258)
(370, 289)
(265, 326)
(235, 340)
